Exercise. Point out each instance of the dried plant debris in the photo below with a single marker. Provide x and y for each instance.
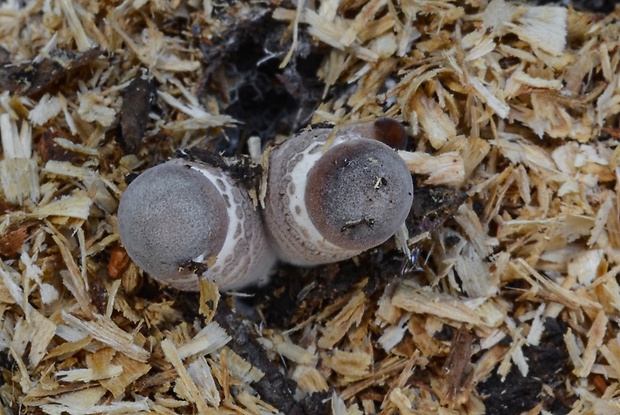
(500, 295)
(32, 77)
(433, 205)
(138, 100)
(241, 169)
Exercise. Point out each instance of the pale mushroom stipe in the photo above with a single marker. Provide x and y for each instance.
(179, 215)
(331, 198)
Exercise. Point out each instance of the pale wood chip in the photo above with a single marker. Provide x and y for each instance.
(209, 339)
(209, 298)
(497, 13)
(611, 352)
(605, 404)
(584, 265)
(475, 231)
(47, 108)
(557, 293)
(184, 380)
(475, 273)
(48, 292)
(19, 174)
(310, 379)
(95, 108)
(73, 277)
(82, 41)
(295, 353)
(446, 168)
(421, 301)
(200, 372)
(295, 24)
(68, 348)
(77, 402)
(241, 368)
(89, 375)
(543, 27)
(330, 33)
(132, 371)
(338, 406)
(73, 206)
(198, 119)
(115, 408)
(401, 401)
(595, 338)
(351, 365)
(77, 148)
(437, 124)
(393, 334)
(536, 328)
(607, 289)
(386, 311)
(487, 362)
(521, 151)
(602, 218)
(36, 331)
(490, 98)
(525, 79)
(473, 151)
(519, 359)
(479, 45)
(336, 328)
(387, 368)
(103, 329)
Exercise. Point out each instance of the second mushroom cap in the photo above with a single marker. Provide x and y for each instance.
(331, 198)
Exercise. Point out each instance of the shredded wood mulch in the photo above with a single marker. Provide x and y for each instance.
(500, 296)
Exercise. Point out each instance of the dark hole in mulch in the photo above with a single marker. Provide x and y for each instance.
(548, 365)
(243, 69)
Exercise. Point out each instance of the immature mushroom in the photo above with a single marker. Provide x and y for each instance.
(331, 200)
(179, 218)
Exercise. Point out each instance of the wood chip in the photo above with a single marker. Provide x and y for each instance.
(104, 330)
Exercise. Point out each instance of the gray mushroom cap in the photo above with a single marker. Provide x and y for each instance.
(359, 193)
(170, 215)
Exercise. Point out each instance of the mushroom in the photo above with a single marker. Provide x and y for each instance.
(182, 219)
(331, 198)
